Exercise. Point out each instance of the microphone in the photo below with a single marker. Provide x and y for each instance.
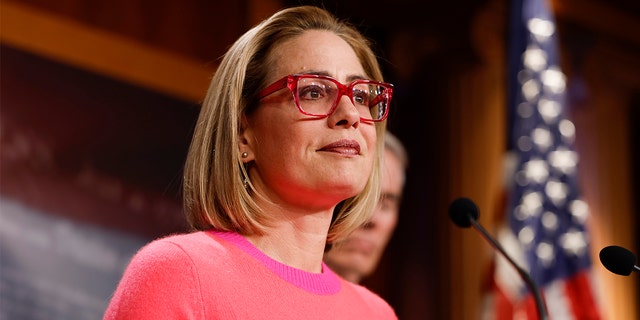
(618, 260)
(464, 213)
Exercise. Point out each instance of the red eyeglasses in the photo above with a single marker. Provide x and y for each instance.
(318, 96)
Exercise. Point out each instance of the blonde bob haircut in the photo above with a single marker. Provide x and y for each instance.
(216, 190)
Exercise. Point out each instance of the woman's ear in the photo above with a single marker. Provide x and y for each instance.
(244, 137)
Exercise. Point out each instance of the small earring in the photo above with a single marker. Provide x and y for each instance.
(244, 155)
(245, 183)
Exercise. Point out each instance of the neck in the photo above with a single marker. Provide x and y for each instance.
(297, 242)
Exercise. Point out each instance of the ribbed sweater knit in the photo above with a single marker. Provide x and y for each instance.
(221, 275)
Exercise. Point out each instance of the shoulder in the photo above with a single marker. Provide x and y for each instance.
(163, 257)
(168, 249)
(160, 277)
(164, 279)
(180, 250)
(190, 252)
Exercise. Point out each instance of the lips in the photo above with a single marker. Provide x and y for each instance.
(351, 147)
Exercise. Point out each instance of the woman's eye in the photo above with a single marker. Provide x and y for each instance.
(360, 98)
(312, 93)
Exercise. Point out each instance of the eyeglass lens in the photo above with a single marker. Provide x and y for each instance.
(318, 96)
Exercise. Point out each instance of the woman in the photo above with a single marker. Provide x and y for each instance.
(291, 127)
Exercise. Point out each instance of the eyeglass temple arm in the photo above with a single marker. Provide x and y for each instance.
(274, 87)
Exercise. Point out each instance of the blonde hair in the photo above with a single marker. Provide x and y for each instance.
(214, 192)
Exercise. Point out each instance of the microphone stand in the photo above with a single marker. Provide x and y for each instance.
(542, 313)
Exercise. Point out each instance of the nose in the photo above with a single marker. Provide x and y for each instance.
(345, 114)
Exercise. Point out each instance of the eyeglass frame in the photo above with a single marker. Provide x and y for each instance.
(291, 82)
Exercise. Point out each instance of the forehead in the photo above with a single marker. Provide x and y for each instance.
(314, 51)
(393, 171)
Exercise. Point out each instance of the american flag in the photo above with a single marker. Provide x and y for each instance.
(544, 224)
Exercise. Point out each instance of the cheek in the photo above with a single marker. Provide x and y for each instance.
(391, 223)
(370, 137)
(371, 143)
(386, 218)
(269, 130)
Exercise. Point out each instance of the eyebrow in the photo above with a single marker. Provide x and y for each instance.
(350, 78)
(390, 196)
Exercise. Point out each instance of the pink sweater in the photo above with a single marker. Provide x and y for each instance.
(221, 275)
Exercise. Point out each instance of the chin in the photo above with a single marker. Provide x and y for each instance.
(343, 192)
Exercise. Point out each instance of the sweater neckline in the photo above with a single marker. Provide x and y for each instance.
(324, 283)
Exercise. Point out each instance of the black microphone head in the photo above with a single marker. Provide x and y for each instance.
(618, 260)
(462, 210)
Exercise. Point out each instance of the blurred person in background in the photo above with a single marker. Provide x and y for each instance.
(357, 257)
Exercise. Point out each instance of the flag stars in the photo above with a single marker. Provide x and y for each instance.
(534, 58)
(541, 29)
(549, 110)
(553, 79)
(557, 191)
(545, 252)
(533, 200)
(574, 242)
(530, 89)
(536, 170)
(522, 212)
(542, 139)
(525, 110)
(567, 130)
(564, 160)
(530, 206)
(524, 143)
(579, 210)
(526, 236)
(550, 221)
